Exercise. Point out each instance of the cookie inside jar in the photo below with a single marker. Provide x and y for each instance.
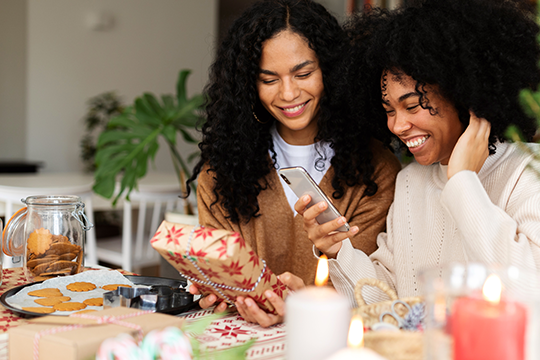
(49, 255)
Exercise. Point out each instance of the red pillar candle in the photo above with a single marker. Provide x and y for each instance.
(483, 330)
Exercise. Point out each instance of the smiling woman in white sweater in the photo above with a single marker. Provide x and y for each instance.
(449, 75)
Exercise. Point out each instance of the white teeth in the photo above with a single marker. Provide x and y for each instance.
(416, 143)
(294, 109)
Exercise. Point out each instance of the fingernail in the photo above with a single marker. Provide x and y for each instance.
(268, 294)
(321, 206)
(305, 198)
(341, 221)
(249, 303)
(240, 301)
(355, 229)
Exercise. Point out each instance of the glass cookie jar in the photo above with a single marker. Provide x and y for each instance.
(49, 235)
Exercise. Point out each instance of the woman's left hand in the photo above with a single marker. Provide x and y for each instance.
(471, 149)
(251, 312)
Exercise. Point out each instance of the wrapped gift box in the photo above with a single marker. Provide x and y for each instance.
(217, 261)
(79, 338)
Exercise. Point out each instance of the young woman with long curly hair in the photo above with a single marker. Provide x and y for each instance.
(275, 99)
(445, 76)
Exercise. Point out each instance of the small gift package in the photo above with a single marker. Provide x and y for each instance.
(78, 336)
(217, 261)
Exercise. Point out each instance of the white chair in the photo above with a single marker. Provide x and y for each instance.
(157, 193)
(13, 188)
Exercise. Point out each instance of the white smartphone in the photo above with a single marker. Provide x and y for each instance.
(301, 184)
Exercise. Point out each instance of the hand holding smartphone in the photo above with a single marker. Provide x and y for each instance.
(302, 184)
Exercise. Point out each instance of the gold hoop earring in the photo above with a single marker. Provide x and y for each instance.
(255, 116)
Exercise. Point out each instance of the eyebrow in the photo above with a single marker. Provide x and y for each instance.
(295, 68)
(402, 97)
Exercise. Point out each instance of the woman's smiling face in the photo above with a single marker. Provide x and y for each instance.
(290, 86)
(430, 138)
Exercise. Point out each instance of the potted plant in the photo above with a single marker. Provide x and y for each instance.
(130, 141)
(101, 108)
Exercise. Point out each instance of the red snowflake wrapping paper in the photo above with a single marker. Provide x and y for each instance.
(218, 262)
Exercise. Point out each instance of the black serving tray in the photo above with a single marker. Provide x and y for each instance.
(137, 280)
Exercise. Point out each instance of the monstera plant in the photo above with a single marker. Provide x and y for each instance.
(131, 140)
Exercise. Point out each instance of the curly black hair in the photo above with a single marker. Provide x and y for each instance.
(236, 146)
(480, 53)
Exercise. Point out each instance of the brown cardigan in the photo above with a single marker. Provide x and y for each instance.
(279, 238)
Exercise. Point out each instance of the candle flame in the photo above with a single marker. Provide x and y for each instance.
(322, 271)
(492, 289)
(356, 333)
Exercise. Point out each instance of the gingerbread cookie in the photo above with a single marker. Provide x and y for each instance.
(39, 241)
(67, 256)
(47, 292)
(59, 238)
(39, 309)
(94, 302)
(85, 311)
(80, 286)
(51, 301)
(62, 248)
(112, 287)
(69, 306)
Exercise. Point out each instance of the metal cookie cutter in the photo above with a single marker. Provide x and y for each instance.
(154, 298)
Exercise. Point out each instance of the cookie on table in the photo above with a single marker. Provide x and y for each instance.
(112, 287)
(85, 311)
(69, 306)
(47, 292)
(94, 302)
(51, 301)
(81, 286)
(39, 309)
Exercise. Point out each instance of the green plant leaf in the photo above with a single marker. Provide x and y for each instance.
(145, 114)
(170, 134)
(187, 136)
(153, 104)
(168, 102)
(181, 94)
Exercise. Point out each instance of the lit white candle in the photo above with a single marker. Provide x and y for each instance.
(317, 319)
(355, 340)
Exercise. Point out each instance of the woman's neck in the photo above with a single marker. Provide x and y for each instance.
(305, 136)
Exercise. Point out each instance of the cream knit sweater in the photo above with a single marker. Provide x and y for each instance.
(490, 217)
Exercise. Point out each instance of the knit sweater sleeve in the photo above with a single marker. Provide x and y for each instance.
(506, 233)
(352, 265)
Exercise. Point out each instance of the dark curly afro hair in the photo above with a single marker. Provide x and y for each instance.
(480, 53)
(236, 147)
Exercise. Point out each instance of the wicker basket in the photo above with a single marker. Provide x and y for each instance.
(402, 345)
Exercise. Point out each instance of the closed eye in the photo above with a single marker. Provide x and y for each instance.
(268, 81)
(304, 75)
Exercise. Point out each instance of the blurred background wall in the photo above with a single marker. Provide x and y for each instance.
(57, 54)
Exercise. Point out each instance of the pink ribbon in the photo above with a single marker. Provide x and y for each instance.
(117, 320)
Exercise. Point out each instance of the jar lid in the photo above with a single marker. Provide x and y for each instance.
(52, 200)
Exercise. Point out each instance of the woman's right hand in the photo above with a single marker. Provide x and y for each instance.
(209, 300)
(325, 236)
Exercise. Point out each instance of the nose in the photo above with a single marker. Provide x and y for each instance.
(289, 90)
(399, 123)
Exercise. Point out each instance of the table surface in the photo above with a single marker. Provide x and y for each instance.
(228, 331)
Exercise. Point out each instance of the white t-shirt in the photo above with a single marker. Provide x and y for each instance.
(315, 158)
